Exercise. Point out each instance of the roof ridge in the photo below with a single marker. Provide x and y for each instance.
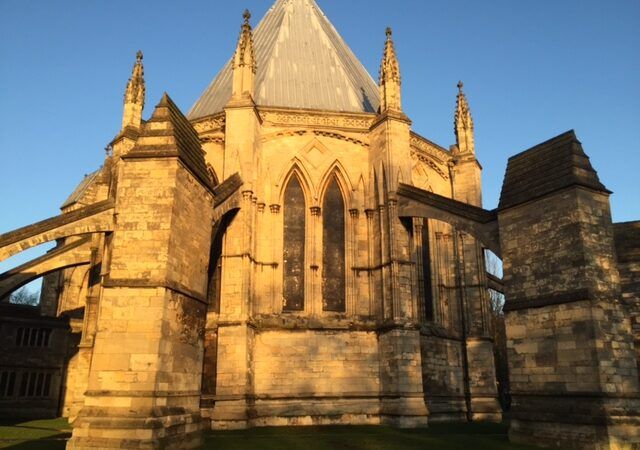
(184, 142)
(313, 69)
(325, 22)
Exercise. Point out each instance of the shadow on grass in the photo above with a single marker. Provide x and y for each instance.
(52, 435)
(18, 434)
(55, 442)
(451, 436)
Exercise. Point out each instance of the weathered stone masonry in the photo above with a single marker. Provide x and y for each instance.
(196, 266)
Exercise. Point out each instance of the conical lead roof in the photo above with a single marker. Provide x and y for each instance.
(302, 62)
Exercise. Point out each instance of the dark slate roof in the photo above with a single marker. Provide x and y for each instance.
(184, 144)
(302, 62)
(79, 191)
(546, 168)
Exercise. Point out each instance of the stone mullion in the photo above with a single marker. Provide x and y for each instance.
(486, 307)
(417, 250)
(94, 289)
(394, 260)
(352, 249)
(440, 278)
(461, 280)
(371, 261)
(260, 291)
(313, 290)
(386, 297)
(435, 291)
(276, 256)
(246, 214)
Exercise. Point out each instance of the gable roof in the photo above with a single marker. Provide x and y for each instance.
(546, 168)
(169, 133)
(302, 62)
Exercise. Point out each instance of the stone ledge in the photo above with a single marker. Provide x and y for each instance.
(541, 301)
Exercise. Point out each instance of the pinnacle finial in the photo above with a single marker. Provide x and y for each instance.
(463, 123)
(244, 60)
(390, 95)
(134, 95)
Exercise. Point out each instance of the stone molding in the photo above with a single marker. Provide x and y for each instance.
(155, 284)
(540, 301)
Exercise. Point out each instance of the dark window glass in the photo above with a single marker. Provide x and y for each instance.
(33, 334)
(23, 384)
(39, 385)
(294, 240)
(19, 336)
(32, 384)
(47, 386)
(47, 337)
(333, 252)
(426, 272)
(4, 380)
(11, 384)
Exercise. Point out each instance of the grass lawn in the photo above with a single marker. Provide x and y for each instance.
(52, 435)
(34, 434)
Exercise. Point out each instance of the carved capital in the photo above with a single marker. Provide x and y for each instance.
(275, 209)
(315, 210)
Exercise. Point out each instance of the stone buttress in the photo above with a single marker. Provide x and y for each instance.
(572, 362)
(144, 379)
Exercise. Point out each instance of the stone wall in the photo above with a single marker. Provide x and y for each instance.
(33, 353)
(316, 363)
(443, 378)
(571, 358)
(627, 241)
(313, 377)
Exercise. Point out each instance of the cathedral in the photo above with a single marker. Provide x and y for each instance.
(290, 252)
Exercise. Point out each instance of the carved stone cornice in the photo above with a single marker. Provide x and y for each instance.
(317, 119)
(430, 154)
(210, 123)
(427, 159)
(213, 139)
(316, 133)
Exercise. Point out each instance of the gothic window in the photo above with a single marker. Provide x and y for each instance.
(427, 296)
(7, 382)
(35, 384)
(333, 252)
(294, 242)
(33, 337)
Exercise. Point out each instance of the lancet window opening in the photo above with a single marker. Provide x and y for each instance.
(425, 255)
(333, 248)
(294, 239)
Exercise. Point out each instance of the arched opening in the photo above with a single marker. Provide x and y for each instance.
(214, 290)
(333, 251)
(425, 285)
(294, 245)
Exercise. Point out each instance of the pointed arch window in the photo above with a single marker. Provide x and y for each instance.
(294, 244)
(425, 255)
(333, 251)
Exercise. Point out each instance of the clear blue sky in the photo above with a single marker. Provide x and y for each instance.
(532, 69)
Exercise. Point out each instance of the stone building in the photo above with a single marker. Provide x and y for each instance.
(32, 362)
(291, 252)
